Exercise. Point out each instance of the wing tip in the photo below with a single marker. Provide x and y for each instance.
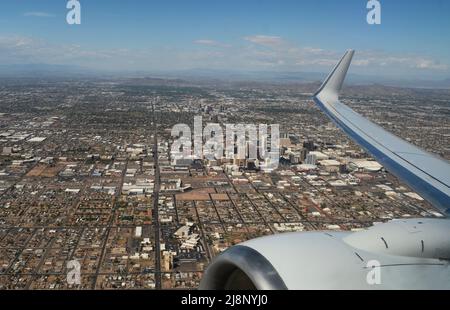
(333, 83)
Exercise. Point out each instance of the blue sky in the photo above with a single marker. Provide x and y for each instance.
(412, 40)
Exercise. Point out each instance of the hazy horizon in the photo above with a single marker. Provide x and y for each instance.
(255, 36)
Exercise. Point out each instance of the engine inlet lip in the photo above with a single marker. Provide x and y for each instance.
(257, 268)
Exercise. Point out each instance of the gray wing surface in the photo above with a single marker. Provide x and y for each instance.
(424, 172)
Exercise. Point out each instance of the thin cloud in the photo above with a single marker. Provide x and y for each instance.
(430, 64)
(38, 14)
(250, 56)
(382, 59)
(211, 43)
(265, 40)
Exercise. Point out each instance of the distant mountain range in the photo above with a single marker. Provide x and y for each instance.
(307, 77)
(69, 71)
(43, 70)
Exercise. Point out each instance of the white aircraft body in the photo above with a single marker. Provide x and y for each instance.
(399, 254)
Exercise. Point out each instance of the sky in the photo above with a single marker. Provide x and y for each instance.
(413, 40)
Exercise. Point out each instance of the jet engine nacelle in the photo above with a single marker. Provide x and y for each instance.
(400, 254)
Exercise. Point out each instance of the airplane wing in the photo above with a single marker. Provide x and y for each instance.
(424, 172)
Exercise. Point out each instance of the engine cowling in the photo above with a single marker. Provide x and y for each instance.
(339, 260)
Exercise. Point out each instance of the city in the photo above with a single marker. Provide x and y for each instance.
(87, 174)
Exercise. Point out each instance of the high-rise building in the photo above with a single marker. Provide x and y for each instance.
(303, 154)
(311, 159)
(309, 145)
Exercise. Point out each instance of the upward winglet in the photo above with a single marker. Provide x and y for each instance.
(332, 85)
(425, 173)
